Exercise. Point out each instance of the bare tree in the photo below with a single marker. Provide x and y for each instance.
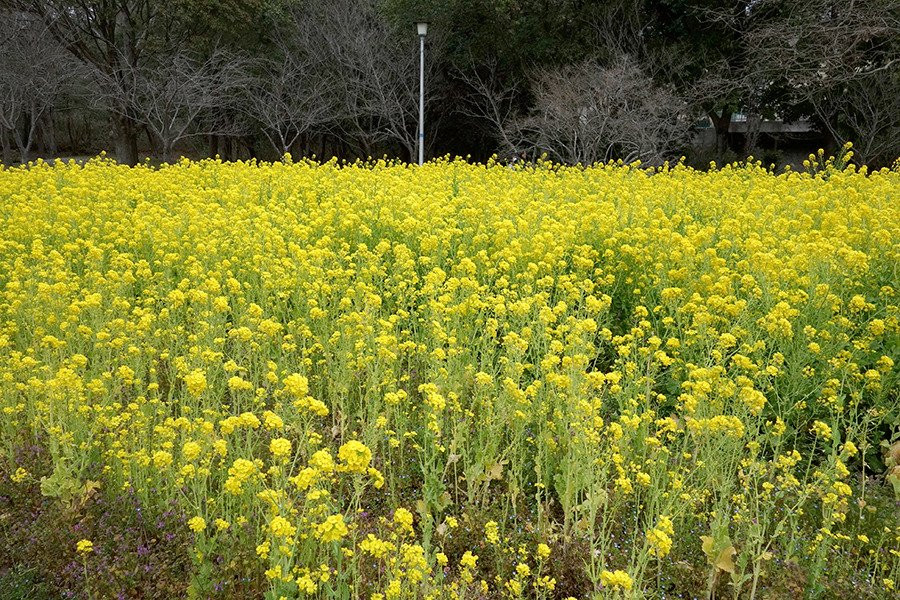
(491, 100)
(596, 99)
(116, 38)
(171, 95)
(866, 112)
(587, 113)
(34, 71)
(841, 60)
(620, 29)
(375, 69)
(290, 93)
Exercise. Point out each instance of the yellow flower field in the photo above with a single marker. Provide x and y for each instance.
(389, 382)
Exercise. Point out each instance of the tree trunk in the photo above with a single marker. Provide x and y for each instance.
(25, 136)
(250, 144)
(168, 152)
(751, 138)
(50, 134)
(157, 144)
(721, 123)
(126, 140)
(7, 148)
(74, 145)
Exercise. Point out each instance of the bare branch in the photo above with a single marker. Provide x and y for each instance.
(588, 113)
(34, 71)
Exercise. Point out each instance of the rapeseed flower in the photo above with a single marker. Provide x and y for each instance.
(355, 456)
(280, 447)
(332, 529)
(195, 382)
(197, 524)
(616, 579)
(281, 527)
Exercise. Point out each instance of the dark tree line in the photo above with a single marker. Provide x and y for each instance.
(579, 80)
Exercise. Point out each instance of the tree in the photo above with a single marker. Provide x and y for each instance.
(839, 63)
(121, 39)
(112, 37)
(492, 101)
(345, 74)
(289, 94)
(171, 95)
(34, 71)
(587, 113)
(374, 66)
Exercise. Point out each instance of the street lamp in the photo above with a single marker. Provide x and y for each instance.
(422, 28)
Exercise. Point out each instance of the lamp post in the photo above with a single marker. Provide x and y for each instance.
(422, 28)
